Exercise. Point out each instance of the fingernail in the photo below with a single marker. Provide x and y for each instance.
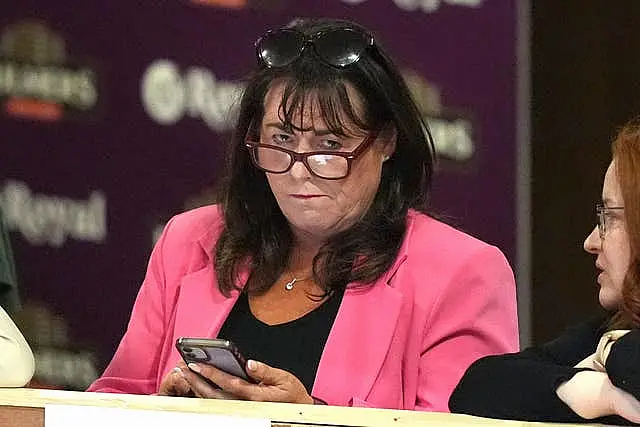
(194, 367)
(252, 365)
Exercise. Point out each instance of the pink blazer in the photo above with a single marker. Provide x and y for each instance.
(404, 343)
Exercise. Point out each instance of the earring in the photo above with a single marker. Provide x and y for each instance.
(385, 158)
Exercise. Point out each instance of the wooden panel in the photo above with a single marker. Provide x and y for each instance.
(20, 416)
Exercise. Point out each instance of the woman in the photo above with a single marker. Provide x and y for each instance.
(317, 262)
(16, 360)
(591, 373)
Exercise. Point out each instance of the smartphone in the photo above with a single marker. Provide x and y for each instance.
(219, 353)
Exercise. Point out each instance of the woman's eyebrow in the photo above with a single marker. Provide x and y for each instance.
(288, 128)
(279, 126)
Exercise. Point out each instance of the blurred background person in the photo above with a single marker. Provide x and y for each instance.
(9, 298)
(16, 360)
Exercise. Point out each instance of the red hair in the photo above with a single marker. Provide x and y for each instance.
(626, 154)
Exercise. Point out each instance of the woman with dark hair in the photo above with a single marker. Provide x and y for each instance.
(592, 372)
(318, 262)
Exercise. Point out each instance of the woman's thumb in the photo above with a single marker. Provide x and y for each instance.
(261, 373)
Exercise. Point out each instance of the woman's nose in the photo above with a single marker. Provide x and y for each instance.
(300, 171)
(593, 243)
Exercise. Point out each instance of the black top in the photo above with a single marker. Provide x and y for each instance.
(522, 386)
(294, 346)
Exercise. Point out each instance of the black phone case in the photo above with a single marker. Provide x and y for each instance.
(219, 353)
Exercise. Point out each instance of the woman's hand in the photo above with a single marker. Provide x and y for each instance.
(272, 385)
(174, 384)
(624, 404)
(585, 393)
(591, 394)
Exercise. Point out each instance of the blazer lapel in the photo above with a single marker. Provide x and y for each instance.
(358, 343)
(201, 307)
(361, 337)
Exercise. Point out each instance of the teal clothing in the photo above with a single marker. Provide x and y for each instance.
(9, 298)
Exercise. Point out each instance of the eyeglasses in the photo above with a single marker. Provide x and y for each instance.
(339, 47)
(604, 214)
(323, 164)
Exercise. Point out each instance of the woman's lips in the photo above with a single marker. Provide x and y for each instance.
(305, 196)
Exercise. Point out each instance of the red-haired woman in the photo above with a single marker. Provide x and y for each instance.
(592, 372)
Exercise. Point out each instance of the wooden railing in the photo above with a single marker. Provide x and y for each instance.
(26, 408)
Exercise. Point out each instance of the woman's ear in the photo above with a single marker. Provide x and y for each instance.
(389, 138)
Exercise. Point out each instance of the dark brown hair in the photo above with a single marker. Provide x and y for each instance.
(626, 154)
(256, 234)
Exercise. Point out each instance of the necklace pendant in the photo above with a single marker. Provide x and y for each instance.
(289, 285)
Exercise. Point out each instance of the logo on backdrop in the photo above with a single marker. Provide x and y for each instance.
(51, 220)
(168, 95)
(37, 79)
(452, 132)
(243, 4)
(427, 6)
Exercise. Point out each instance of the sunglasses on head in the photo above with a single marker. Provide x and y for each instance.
(338, 48)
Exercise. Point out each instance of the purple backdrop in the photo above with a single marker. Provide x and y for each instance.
(113, 118)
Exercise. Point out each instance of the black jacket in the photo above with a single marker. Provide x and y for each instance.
(522, 386)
